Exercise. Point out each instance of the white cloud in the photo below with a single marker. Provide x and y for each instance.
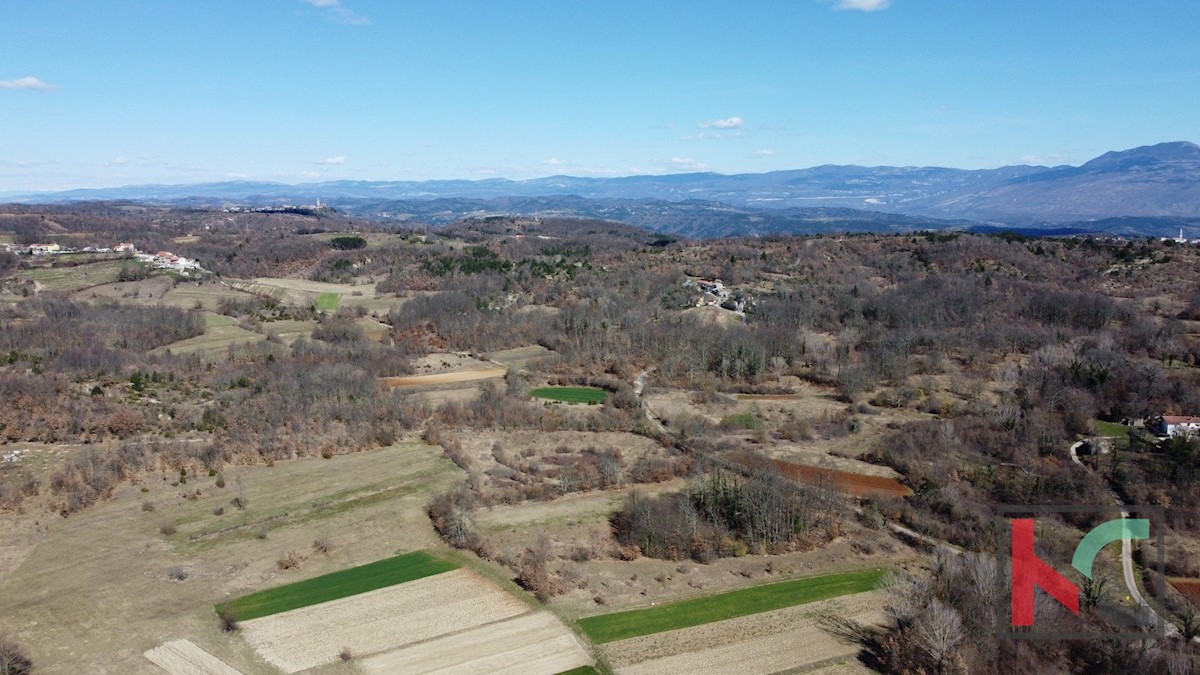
(765, 152)
(734, 122)
(338, 12)
(863, 5)
(687, 163)
(1040, 160)
(554, 161)
(333, 161)
(29, 83)
(119, 161)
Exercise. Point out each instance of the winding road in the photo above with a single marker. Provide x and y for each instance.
(1135, 591)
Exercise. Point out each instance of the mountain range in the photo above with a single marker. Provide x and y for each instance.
(1147, 190)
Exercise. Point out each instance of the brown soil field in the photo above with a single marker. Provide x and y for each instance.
(380, 621)
(856, 484)
(442, 378)
(182, 657)
(533, 644)
(449, 362)
(1189, 588)
(781, 640)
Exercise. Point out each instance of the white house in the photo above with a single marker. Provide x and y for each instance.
(1177, 425)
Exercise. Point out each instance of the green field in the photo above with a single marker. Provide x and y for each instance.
(571, 394)
(742, 421)
(1110, 429)
(327, 301)
(369, 577)
(697, 611)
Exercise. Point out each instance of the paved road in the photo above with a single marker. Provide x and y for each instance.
(1127, 568)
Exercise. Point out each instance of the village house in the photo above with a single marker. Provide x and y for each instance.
(1175, 425)
(45, 249)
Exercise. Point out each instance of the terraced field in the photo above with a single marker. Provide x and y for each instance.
(702, 610)
(793, 639)
(77, 277)
(369, 577)
(587, 395)
(220, 333)
(380, 621)
(532, 644)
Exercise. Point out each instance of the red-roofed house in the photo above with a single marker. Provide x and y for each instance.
(1175, 425)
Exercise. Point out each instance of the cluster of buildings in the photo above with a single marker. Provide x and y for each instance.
(161, 260)
(165, 260)
(282, 208)
(713, 293)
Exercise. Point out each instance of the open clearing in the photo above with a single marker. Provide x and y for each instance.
(220, 333)
(533, 644)
(587, 395)
(790, 639)
(181, 657)
(103, 615)
(521, 357)
(162, 290)
(74, 277)
(706, 609)
(443, 378)
(327, 302)
(336, 585)
(322, 295)
(380, 620)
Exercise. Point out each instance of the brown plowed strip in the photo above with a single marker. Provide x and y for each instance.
(442, 378)
(534, 644)
(1190, 588)
(857, 484)
(182, 657)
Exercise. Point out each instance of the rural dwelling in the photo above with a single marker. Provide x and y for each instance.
(1175, 425)
(44, 249)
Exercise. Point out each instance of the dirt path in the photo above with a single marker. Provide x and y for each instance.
(442, 378)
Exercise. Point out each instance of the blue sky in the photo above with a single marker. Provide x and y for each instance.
(116, 92)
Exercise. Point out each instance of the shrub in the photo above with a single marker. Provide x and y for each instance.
(147, 506)
(14, 660)
(229, 621)
(177, 573)
(168, 528)
(323, 544)
(291, 561)
(346, 654)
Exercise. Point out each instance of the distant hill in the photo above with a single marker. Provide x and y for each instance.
(1154, 181)
(1118, 189)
